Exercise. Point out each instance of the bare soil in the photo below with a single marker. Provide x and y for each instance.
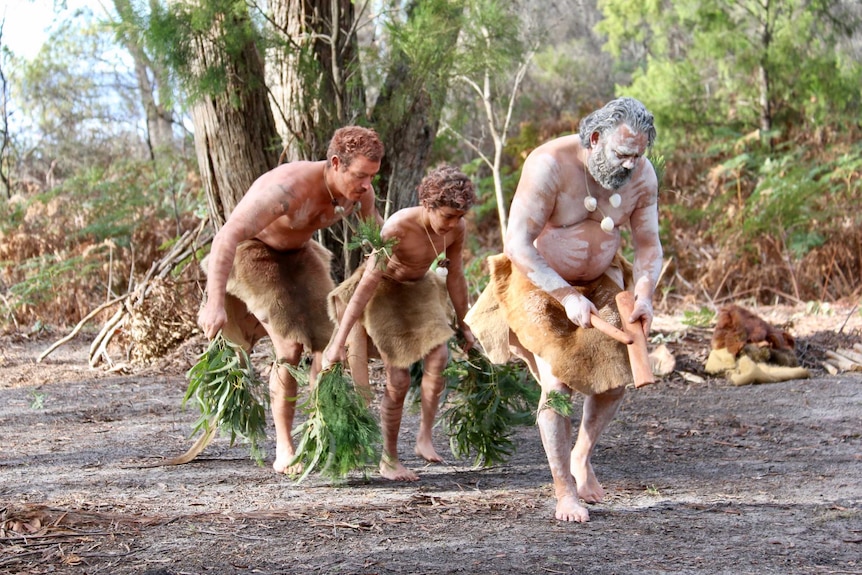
(702, 477)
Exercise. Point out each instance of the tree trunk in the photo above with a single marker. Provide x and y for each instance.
(160, 136)
(407, 112)
(313, 73)
(235, 134)
(316, 88)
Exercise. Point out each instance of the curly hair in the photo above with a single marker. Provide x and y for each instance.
(622, 110)
(447, 186)
(351, 141)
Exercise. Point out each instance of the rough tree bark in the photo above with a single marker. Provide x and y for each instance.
(235, 135)
(314, 74)
(407, 112)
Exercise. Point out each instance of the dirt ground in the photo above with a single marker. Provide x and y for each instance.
(702, 477)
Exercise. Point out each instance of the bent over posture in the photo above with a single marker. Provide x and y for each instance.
(266, 276)
(403, 307)
(560, 265)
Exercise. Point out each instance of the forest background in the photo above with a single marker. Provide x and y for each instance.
(135, 130)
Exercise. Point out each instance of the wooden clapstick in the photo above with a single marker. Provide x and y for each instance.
(610, 330)
(638, 354)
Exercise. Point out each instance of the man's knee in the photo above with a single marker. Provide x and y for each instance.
(437, 358)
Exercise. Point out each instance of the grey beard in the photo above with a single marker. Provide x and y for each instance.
(607, 177)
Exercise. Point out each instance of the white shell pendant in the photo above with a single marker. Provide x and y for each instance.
(442, 272)
(590, 203)
(608, 224)
(339, 210)
(616, 200)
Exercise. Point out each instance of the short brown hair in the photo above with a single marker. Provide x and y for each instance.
(351, 141)
(447, 186)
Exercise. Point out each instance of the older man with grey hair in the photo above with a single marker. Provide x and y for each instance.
(561, 267)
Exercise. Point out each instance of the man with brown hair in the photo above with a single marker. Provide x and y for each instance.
(267, 276)
(402, 306)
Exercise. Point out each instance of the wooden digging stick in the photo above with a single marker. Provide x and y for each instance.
(638, 354)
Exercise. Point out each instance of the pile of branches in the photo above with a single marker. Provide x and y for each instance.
(154, 311)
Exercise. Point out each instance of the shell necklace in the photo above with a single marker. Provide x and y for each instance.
(339, 209)
(591, 204)
(442, 265)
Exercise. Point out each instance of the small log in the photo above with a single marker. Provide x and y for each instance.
(829, 367)
(842, 362)
(638, 353)
(853, 356)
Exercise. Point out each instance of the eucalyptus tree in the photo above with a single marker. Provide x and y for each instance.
(707, 65)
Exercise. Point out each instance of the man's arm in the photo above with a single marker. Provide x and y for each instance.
(368, 209)
(371, 277)
(648, 256)
(262, 204)
(456, 285)
(531, 209)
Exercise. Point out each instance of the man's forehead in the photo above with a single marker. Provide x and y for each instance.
(363, 164)
(624, 139)
(450, 212)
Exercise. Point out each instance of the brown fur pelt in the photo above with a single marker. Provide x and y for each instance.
(739, 330)
(405, 320)
(284, 290)
(586, 360)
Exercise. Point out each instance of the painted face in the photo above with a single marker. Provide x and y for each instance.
(445, 219)
(614, 157)
(356, 178)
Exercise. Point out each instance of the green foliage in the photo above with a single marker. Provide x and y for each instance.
(37, 400)
(339, 433)
(701, 64)
(175, 30)
(366, 234)
(795, 200)
(704, 317)
(229, 395)
(559, 403)
(82, 232)
(485, 401)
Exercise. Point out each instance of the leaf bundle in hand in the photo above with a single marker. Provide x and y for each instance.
(486, 401)
(229, 394)
(340, 433)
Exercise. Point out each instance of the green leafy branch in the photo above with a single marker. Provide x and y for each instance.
(559, 403)
(340, 433)
(366, 235)
(486, 401)
(229, 394)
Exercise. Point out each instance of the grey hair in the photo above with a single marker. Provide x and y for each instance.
(620, 111)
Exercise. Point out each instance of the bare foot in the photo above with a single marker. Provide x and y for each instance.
(426, 451)
(282, 458)
(589, 488)
(568, 509)
(394, 471)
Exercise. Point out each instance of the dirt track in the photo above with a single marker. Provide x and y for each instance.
(702, 478)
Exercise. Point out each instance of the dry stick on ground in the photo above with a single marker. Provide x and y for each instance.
(186, 246)
(78, 327)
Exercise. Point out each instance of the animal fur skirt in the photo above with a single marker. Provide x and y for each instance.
(586, 360)
(405, 320)
(285, 291)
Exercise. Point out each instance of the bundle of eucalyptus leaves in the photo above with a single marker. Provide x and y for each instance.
(485, 401)
(230, 395)
(340, 433)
